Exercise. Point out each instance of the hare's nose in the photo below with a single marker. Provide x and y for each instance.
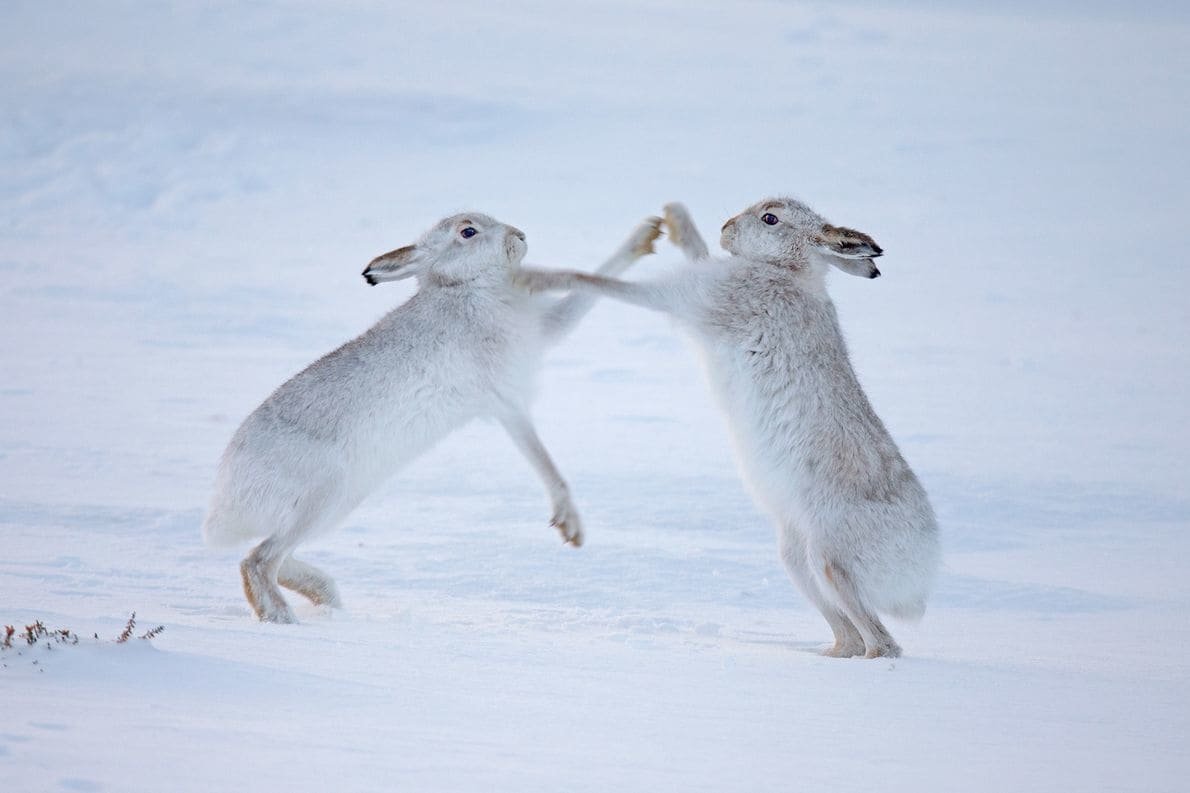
(728, 224)
(517, 232)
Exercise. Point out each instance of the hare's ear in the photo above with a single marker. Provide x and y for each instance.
(846, 243)
(394, 265)
(862, 268)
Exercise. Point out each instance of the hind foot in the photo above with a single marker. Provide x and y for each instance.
(281, 616)
(848, 642)
(878, 642)
(845, 649)
(889, 649)
(310, 582)
(264, 597)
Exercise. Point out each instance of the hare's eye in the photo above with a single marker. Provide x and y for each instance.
(468, 233)
(769, 218)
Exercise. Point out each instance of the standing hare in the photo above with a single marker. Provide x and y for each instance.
(856, 530)
(466, 345)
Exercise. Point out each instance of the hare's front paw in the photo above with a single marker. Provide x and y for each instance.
(677, 221)
(682, 232)
(640, 243)
(566, 521)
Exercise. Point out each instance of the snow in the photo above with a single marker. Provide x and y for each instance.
(189, 191)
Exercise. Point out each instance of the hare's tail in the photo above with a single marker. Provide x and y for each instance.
(905, 594)
(910, 611)
(223, 527)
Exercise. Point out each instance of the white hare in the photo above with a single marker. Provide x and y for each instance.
(856, 529)
(466, 345)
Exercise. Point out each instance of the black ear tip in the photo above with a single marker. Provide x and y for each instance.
(875, 273)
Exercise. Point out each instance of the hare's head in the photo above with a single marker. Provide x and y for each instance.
(786, 232)
(457, 250)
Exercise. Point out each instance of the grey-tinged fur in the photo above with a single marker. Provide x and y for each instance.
(466, 345)
(856, 530)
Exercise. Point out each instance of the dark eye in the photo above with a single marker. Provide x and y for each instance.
(468, 233)
(770, 218)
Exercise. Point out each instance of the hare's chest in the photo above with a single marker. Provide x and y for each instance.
(756, 351)
(493, 346)
(756, 333)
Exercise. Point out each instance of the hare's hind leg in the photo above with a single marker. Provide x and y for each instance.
(270, 562)
(878, 642)
(259, 571)
(848, 641)
(309, 581)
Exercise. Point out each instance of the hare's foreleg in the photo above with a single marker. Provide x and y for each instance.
(308, 580)
(683, 233)
(565, 517)
(848, 641)
(654, 295)
(563, 316)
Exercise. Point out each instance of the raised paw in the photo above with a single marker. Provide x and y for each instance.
(640, 242)
(566, 521)
(682, 233)
(677, 219)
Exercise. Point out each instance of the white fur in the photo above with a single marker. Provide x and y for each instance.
(465, 345)
(856, 530)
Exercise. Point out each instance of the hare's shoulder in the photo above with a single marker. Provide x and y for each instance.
(748, 298)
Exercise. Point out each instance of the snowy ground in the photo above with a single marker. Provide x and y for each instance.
(188, 193)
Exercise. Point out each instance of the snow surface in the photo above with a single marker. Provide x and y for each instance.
(188, 192)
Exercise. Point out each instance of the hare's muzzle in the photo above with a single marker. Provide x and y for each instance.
(514, 244)
(727, 234)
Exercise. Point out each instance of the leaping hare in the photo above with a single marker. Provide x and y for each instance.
(467, 344)
(856, 529)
